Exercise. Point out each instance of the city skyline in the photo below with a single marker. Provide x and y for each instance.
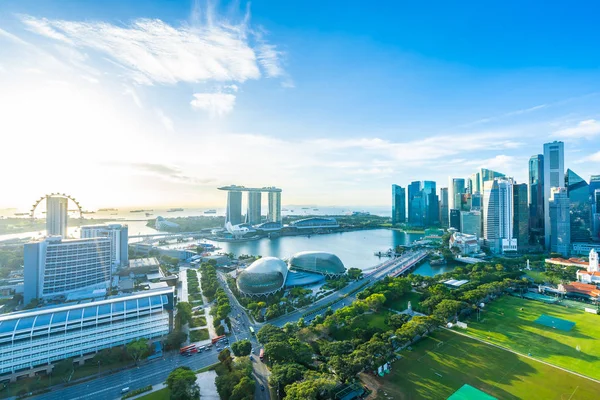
(167, 131)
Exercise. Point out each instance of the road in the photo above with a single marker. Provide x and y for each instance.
(152, 373)
(392, 266)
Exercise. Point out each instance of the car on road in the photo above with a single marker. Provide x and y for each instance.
(262, 388)
(125, 389)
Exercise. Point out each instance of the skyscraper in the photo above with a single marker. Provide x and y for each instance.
(274, 207)
(498, 219)
(56, 267)
(455, 219)
(554, 177)
(234, 208)
(520, 215)
(596, 214)
(253, 214)
(476, 201)
(444, 210)
(474, 183)
(470, 223)
(559, 226)
(398, 205)
(580, 207)
(415, 204)
(430, 204)
(536, 198)
(117, 234)
(56, 215)
(458, 189)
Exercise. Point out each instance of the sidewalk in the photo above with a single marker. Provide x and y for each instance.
(155, 388)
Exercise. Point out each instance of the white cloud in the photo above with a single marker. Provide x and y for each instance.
(129, 91)
(233, 88)
(12, 38)
(217, 104)
(585, 129)
(593, 157)
(165, 120)
(155, 52)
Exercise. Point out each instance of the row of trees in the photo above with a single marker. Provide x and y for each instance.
(193, 287)
(234, 378)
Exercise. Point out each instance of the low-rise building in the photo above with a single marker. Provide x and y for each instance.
(467, 244)
(36, 338)
(592, 273)
(578, 289)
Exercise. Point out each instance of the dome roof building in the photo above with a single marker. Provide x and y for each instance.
(318, 262)
(263, 277)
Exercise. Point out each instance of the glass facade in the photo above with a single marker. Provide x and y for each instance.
(580, 207)
(520, 216)
(39, 337)
(318, 262)
(536, 198)
(398, 205)
(234, 208)
(415, 204)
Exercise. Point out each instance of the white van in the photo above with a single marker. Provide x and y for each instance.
(125, 389)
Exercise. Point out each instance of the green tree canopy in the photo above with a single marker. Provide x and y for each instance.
(182, 384)
(241, 348)
(138, 349)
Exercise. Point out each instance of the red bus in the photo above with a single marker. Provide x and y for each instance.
(261, 354)
(189, 349)
(215, 340)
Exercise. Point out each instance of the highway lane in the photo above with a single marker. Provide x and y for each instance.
(151, 373)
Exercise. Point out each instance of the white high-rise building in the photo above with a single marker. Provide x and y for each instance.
(118, 236)
(554, 177)
(498, 219)
(56, 267)
(274, 207)
(558, 229)
(56, 215)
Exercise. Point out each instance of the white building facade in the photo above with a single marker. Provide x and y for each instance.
(498, 215)
(117, 234)
(592, 274)
(56, 215)
(554, 177)
(56, 267)
(40, 337)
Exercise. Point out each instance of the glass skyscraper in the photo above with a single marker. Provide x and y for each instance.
(520, 215)
(554, 177)
(444, 210)
(415, 204)
(580, 207)
(398, 205)
(536, 198)
(559, 228)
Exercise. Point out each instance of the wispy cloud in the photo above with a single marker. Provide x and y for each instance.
(216, 104)
(168, 172)
(595, 157)
(165, 120)
(585, 129)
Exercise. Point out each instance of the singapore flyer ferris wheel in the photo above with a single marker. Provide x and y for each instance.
(45, 198)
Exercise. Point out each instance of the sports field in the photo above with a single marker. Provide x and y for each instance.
(441, 364)
(502, 322)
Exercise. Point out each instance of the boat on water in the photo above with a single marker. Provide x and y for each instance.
(210, 212)
(315, 209)
(148, 214)
(174, 209)
(284, 209)
(136, 211)
(306, 208)
(108, 209)
(21, 214)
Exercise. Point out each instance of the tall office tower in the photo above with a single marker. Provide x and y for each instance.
(465, 202)
(455, 219)
(274, 207)
(444, 210)
(234, 208)
(554, 176)
(580, 207)
(456, 188)
(536, 199)
(596, 214)
(415, 201)
(470, 222)
(498, 215)
(476, 201)
(253, 213)
(430, 204)
(117, 234)
(56, 215)
(560, 221)
(398, 205)
(474, 183)
(56, 267)
(486, 175)
(520, 215)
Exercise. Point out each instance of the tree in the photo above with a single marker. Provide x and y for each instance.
(270, 333)
(225, 358)
(184, 313)
(447, 308)
(174, 340)
(309, 389)
(64, 369)
(241, 348)
(244, 390)
(354, 273)
(182, 384)
(138, 349)
(375, 301)
(285, 374)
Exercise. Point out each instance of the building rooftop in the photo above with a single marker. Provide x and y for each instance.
(235, 188)
(581, 288)
(455, 283)
(143, 262)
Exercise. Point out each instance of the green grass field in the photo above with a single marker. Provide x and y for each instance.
(435, 371)
(402, 303)
(162, 394)
(516, 330)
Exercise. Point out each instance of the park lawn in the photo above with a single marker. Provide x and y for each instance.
(162, 394)
(376, 320)
(439, 365)
(401, 304)
(517, 330)
(371, 320)
(198, 335)
(540, 277)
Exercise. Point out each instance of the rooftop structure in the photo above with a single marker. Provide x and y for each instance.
(45, 335)
(579, 289)
(315, 223)
(592, 273)
(117, 234)
(319, 262)
(453, 283)
(233, 214)
(264, 276)
(467, 244)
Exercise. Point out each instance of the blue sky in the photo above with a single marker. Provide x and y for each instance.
(129, 103)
